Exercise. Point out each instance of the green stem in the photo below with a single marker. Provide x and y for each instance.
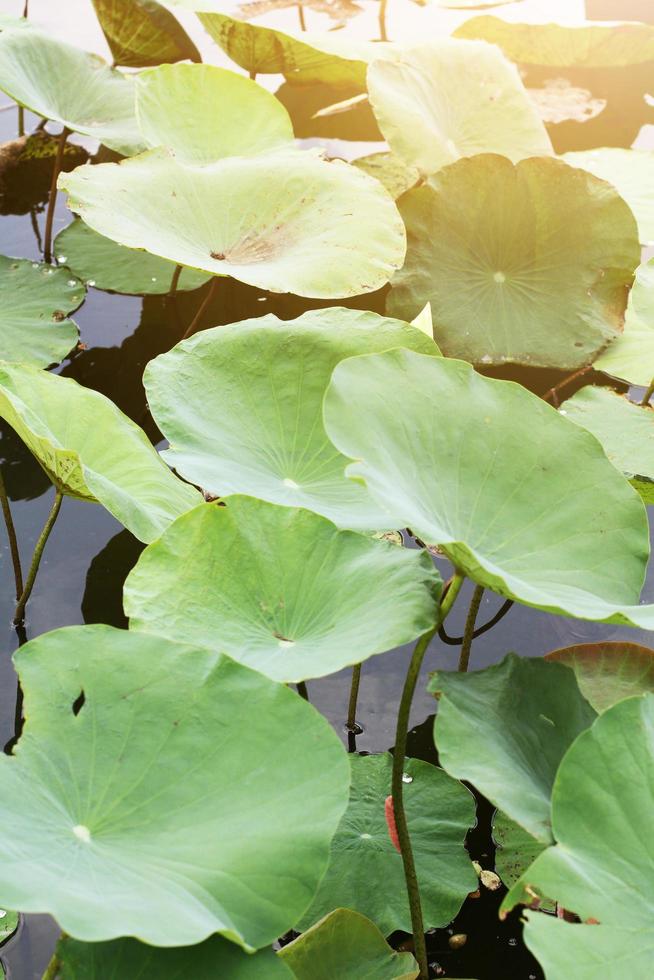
(19, 615)
(648, 394)
(383, 36)
(399, 757)
(52, 969)
(469, 631)
(302, 690)
(52, 199)
(13, 541)
(354, 696)
(192, 327)
(21, 121)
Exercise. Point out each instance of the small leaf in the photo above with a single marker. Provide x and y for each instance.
(609, 672)
(143, 32)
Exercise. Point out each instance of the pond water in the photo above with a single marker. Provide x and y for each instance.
(89, 554)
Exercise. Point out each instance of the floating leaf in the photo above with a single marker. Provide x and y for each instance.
(90, 450)
(35, 300)
(610, 671)
(601, 867)
(259, 431)
(69, 86)
(365, 870)
(142, 32)
(522, 500)
(390, 171)
(450, 99)
(346, 945)
(204, 113)
(8, 924)
(281, 590)
(151, 793)
(286, 221)
(631, 355)
(529, 264)
(516, 849)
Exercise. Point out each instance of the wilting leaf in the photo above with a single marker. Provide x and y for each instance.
(151, 792)
(450, 99)
(8, 924)
(35, 300)
(390, 171)
(365, 871)
(522, 500)
(280, 589)
(529, 264)
(610, 671)
(259, 431)
(346, 945)
(505, 729)
(631, 356)
(142, 32)
(90, 450)
(71, 87)
(516, 848)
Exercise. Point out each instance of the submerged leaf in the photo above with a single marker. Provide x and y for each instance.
(608, 672)
(143, 32)
(631, 355)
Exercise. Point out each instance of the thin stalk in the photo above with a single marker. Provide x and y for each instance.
(302, 690)
(172, 297)
(399, 757)
(21, 121)
(13, 541)
(192, 327)
(52, 200)
(553, 394)
(469, 631)
(456, 641)
(26, 8)
(383, 36)
(36, 229)
(19, 615)
(351, 723)
(300, 10)
(253, 75)
(52, 969)
(648, 394)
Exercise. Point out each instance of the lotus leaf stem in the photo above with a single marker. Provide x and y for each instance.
(553, 393)
(21, 121)
(26, 8)
(13, 541)
(648, 394)
(52, 199)
(399, 756)
(19, 615)
(469, 632)
(192, 327)
(456, 641)
(52, 969)
(383, 36)
(253, 75)
(302, 690)
(300, 10)
(354, 696)
(172, 296)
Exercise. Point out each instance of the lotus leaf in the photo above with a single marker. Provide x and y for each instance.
(69, 86)
(34, 302)
(259, 431)
(506, 486)
(90, 450)
(164, 807)
(516, 848)
(7, 22)
(390, 171)
(631, 355)
(204, 113)
(601, 866)
(529, 264)
(450, 99)
(116, 268)
(8, 924)
(142, 32)
(365, 871)
(346, 945)
(286, 221)
(610, 671)
(625, 430)
(280, 590)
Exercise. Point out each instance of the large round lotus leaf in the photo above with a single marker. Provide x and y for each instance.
(34, 302)
(522, 500)
(204, 113)
(142, 32)
(631, 356)
(529, 264)
(602, 867)
(557, 46)
(346, 945)
(280, 590)
(90, 450)
(71, 87)
(609, 672)
(286, 221)
(625, 430)
(175, 803)
(235, 425)
(108, 265)
(505, 729)
(450, 99)
(127, 959)
(365, 871)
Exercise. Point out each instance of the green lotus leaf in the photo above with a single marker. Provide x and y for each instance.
(204, 113)
(625, 430)
(280, 590)
(346, 945)
(164, 806)
(516, 848)
(608, 672)
(8, 924)
(365, 871)
(390, 171)
(142, 32)
(529, 264)
(601, 866)
(7, 22)
(523, 501)
(259, 431)
(428, 105)
(91, 451)
(520, 709)
(69, 86)
(108, 265)
(631, 356)
(35, 300)
(127, 959)
(286, 221)
(555, 45)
